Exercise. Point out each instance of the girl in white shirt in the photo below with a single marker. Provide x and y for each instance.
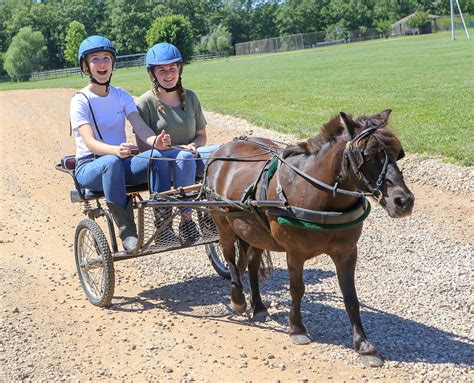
(103, 157)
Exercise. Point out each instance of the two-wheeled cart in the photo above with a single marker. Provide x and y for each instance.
(158, 227)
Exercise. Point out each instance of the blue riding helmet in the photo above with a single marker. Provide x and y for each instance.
(95, 44)
(162, 54)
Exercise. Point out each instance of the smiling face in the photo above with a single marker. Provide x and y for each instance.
(167, 75)
(100, 65)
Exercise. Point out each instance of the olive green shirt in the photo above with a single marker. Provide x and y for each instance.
(180, 125)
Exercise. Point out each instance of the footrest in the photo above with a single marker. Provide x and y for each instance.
(93, 195)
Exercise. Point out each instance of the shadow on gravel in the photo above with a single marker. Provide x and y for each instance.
(397, 338)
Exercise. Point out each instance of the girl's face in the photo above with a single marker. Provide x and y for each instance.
(167, 75)
(100, 65)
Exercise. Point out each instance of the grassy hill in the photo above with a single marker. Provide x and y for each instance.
(427, 80)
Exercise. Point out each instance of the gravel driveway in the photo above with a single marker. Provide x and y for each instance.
(170, 319)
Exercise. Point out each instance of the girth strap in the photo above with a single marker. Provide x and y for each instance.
(323, 217)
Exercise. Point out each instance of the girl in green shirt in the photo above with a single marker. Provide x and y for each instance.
(171, 108)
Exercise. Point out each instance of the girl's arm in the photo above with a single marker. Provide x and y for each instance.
(145, 134)
(99, 147)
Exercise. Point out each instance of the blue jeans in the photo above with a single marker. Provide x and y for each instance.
(110, 174)
(204, 152)
(186, 167)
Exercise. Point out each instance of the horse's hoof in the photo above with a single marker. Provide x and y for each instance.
(262, 316)
(300, 339)
(240, 309)
(371, 360)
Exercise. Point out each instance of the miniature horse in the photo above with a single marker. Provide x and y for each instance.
(356, 156)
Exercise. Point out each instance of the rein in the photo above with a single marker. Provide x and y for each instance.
(300, 217)
(350, 152)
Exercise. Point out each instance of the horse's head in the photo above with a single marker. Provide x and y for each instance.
(371, 155)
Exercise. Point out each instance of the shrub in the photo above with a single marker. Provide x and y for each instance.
(25, 54)
(173, 29)
(202, 46)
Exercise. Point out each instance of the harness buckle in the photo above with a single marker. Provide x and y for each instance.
(377, 194)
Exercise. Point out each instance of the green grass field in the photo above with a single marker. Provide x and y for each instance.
(428, 82)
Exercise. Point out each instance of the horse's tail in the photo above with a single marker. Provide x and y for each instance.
(242, 258)
(266, 264)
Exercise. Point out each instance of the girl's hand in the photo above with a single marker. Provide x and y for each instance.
(163, 140)
(190, 147)
(124, 150)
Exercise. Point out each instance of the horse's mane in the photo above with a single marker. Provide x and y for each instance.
(329, 133)
(333, 130)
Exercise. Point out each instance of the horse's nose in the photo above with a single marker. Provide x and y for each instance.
(405, 202)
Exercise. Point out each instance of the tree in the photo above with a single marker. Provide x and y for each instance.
(2, 69)
(384, 27)
(349, 14)
(127, 24)
(219, 40)
(236, 17)
(301, 16)
(175, 30)
(264, 20)
(76, 33)
(418, 20)
(25, 54)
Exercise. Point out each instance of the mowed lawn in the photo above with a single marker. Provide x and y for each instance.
(428, 82)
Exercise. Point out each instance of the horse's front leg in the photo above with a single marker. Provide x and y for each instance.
(345, 268)
(298, 333)
(260, 312)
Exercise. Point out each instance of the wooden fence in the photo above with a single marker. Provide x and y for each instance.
(128, 61)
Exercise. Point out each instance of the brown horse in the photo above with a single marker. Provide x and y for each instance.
(332, 172)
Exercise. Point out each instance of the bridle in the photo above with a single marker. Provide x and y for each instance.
(353, 154)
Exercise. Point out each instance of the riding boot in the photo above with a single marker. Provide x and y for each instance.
(188, 232)
(164, 224)
(126, 224)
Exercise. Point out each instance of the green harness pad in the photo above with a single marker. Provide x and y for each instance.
(273, 167)
(302, 224)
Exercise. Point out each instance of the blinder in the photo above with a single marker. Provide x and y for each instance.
(356, 160)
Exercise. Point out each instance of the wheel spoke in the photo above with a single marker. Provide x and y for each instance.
(94, 263)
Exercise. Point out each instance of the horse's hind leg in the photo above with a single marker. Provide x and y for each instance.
(260, 313)
(345, 268)
(227, 241)
(298, 333)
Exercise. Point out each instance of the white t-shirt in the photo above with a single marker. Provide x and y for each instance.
(110, 113)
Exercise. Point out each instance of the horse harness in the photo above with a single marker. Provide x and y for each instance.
(322, 220)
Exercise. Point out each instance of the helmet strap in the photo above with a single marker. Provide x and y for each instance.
(106, 84)
(173, 89)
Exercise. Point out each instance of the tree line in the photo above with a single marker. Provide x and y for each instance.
(212, 24)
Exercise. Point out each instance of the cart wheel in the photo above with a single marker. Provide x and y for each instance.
(214, 252)
(94, 263)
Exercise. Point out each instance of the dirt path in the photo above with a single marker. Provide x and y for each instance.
(48, 331)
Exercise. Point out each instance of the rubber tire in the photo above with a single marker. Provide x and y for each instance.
(214, 252)
(102, 249)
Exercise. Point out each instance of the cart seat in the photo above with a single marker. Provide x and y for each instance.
(68, 165)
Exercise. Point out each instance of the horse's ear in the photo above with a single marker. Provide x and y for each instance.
(383, 116)
(348, 124)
